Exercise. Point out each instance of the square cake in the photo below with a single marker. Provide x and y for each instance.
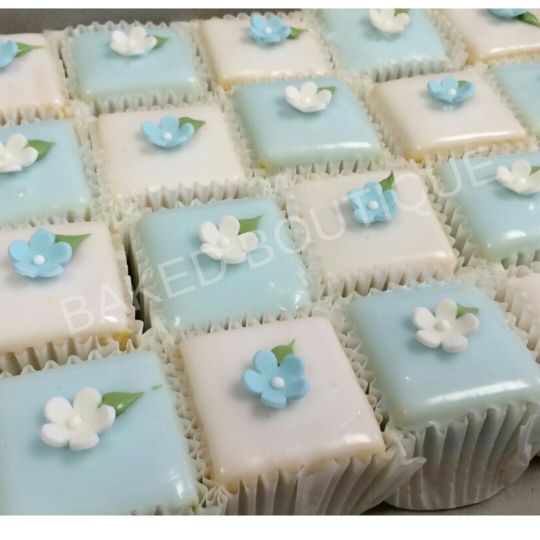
(31, 82)
(488, 36)
(333, 420)
(102, 73)
(412, 239)
(422, 384)
(520, 82)
(140, 463)
(195, 289)
(422, 127)
(53, 185)
(85, 299)
(237, 58)
(502, 223)
(282, 136)
(362, 48)
(133, 165)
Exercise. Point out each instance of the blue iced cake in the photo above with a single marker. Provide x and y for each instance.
(51, 182)
(282, 136)
(219, 262)
(100, 437)
(521, 82)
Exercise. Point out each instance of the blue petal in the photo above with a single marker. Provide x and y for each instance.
(373, 190)
(26, 269)
(276, 24)
(364, 216)
(265, 363)
(8, 51)
(296, 389)
(150, 130)
(258, 22)
(434, 88)
(49, 270)
(185, 132)
(60, 253)
(20, 251)
(41, 241)
(168, 123)
(449, 83)
(253, 382)
(291, 368)
(273, 398)
(508, 13)
(465, 92)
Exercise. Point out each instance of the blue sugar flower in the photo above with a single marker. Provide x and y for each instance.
(169, 133)
(268, 31)
(8, 51)
(373, 203)
(508, 13)
(450, 90)
(41, 257)
(276, 383)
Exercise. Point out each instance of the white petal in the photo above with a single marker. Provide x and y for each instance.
(149, 43)
(54, 435)
(103, 419)
(10, 167)
(137, 34)
(505, 176)
(28, 156)
(58, 410)
(308, 89)
(16, 143)
(86, 402)
(429, 338)
(324, 97)
(423, 319)
(84, 441)
(292, 94)
(467, 324)
(234, 256)
(209, 233)
(446, 309)
(453, 342)
(402, 20)
(521, 168)
(213, 251)
(229, 226)
(248, 241)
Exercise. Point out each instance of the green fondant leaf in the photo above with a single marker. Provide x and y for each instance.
(42, 147)
(535, 169)
(121, 401)
(462, 310)
(73, 241)
(187, 120)
(160, 41)
(399, 11)
(249, 224)
(462, 83)
(388, 182)
(296, 32)
(23, 48)
(329, 88)
(281, 351)
(529, 18)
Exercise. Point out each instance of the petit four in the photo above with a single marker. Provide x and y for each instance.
(242, 49)
(137, 162)
(432, 116)
(49, 183)
(61, 283)
(495, 205)
(83, 439)
(282, 135)
(31, 84)
(199, 261)
(521, 82)
(364, 43)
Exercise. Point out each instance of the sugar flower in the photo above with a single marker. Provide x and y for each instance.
(450, 90)
(521, 178)
(169, 133)
(388, 21)
(308, 98)
(16, 154)
(136, 43)
(508, 13)
(268, 31)
(372, 203)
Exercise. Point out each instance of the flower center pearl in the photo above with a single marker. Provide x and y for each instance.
(267, 30)
(452, 92)
(74, 422)
(278, 383)
(224, 242)
(38, 260)
(167, 135)
(442, 325)
(373, 205)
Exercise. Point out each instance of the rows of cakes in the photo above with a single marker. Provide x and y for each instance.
(269, 264)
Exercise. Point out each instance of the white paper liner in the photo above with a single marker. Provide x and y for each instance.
(468, 459)
(134, 99)
(36, 355)
(145, 343)
(453, 45)
(146, 282)
(396, 146)
(41, 111)
(165, 197)
(362, 280)
(301, 19)
(349, 486)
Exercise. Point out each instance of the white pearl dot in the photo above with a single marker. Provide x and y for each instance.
(74, 422)
(278, 383)
(38, 260)
(373, 205)
(267, 30)
(452, 91)
(167, 136)
(442, 325)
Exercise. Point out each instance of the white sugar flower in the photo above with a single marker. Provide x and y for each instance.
(519, 179)
(136, 43)
(444, 328)
(308, 98)
(226, 243)
(388, 21)
(16, 154)
(76, 425)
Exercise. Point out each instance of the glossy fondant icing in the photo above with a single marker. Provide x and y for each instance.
(52, 186)
(334, 420)
(282, 136)
(139, 464)
(420, 385)
(424, 127)
(103, 73)
(502, 223)
(133, 165)
(361, 47)
(196, 289)
(236, 58)
(413, 238)
(521, 82)
(87, 299)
